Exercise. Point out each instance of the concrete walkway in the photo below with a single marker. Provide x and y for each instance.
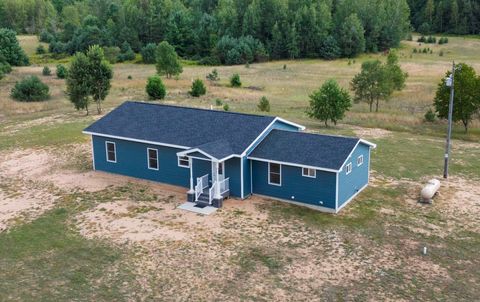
(190, 206)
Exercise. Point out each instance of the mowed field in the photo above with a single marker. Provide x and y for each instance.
(68, 233)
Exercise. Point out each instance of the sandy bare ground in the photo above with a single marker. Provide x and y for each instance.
(175, 253)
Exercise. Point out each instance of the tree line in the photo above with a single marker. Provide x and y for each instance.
(445, 16)
(215, 31)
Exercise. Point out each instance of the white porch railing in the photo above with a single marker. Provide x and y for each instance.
(211, 192)
(202, 183)
(224, 185)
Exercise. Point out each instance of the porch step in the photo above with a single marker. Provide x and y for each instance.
(203, 197)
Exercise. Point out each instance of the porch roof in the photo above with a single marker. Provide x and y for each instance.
(218, 149)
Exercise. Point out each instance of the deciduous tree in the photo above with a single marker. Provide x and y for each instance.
(329, 103)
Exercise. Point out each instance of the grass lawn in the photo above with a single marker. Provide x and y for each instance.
(85, 247)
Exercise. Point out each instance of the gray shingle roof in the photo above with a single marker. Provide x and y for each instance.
(182, 126)
(323, 151)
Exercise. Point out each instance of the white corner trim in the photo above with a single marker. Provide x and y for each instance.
(135, 140)
(251, 178)
(368, 143)
(114, 149)
(241, 178)
(351, 198)
(292, 164)
(336, 191)
(93, 153)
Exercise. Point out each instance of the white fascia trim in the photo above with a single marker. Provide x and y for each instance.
(199, 158)
(372, 145)
(292, 164)
(184, 153)
(258, 137)
(351, 198)
(368, 143)
(135, 140)
(336, 191)
(297, 203)
(291, 123)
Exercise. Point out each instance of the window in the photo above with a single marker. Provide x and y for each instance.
(349, 168)
(307, 172)
(152, 158)
(359, 160)
(274, 174)
(111, 152)
(184, 161)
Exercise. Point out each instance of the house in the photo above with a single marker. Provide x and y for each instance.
(217, 154)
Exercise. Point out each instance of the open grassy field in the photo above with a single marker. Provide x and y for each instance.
(68, 233)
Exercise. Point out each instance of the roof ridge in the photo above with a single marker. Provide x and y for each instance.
(200, 109)
(317, 134)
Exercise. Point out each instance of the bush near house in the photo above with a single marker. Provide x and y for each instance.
(155, 88)
(30, 89)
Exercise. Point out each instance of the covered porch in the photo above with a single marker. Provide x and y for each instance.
(208, 184)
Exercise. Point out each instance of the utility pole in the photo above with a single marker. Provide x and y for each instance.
(450, 82)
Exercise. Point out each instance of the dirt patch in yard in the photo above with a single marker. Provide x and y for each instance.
(370, 133)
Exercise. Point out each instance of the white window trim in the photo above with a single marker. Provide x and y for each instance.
(307, 175)
(148, 159)
(348, 168)
(360, 158)
(183, 166)
(280, 174)
(114, 151)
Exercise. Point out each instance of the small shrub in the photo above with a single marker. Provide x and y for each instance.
(46, 71)
(62, 71)
(218, 102)
(40, 50)
(443, 40)
(414, 50)
(409, 37)
(424, 50)
(264, 104)
(155, 88)
(226, 107)
(198, 88)
(284, 66)
(30, 89)
(430, 116)
(213, 76)
(431, 39)
(129, 77)
(247, 65)
(440, 53)
(235, 80)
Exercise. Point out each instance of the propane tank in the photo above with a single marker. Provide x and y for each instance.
(429, 191)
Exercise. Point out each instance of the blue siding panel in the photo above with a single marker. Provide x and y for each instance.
(201, 167)
(232, 170)
(319, 191)
(349, 185)
(132, 161)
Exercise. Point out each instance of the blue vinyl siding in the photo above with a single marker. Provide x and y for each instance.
(350, 184)
(132, 161)
(201, 167)
(303, 189)
(232, 170)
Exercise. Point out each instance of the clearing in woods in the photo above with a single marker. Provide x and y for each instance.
(68, 232)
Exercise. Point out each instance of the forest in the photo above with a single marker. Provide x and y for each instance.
(236, 31)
